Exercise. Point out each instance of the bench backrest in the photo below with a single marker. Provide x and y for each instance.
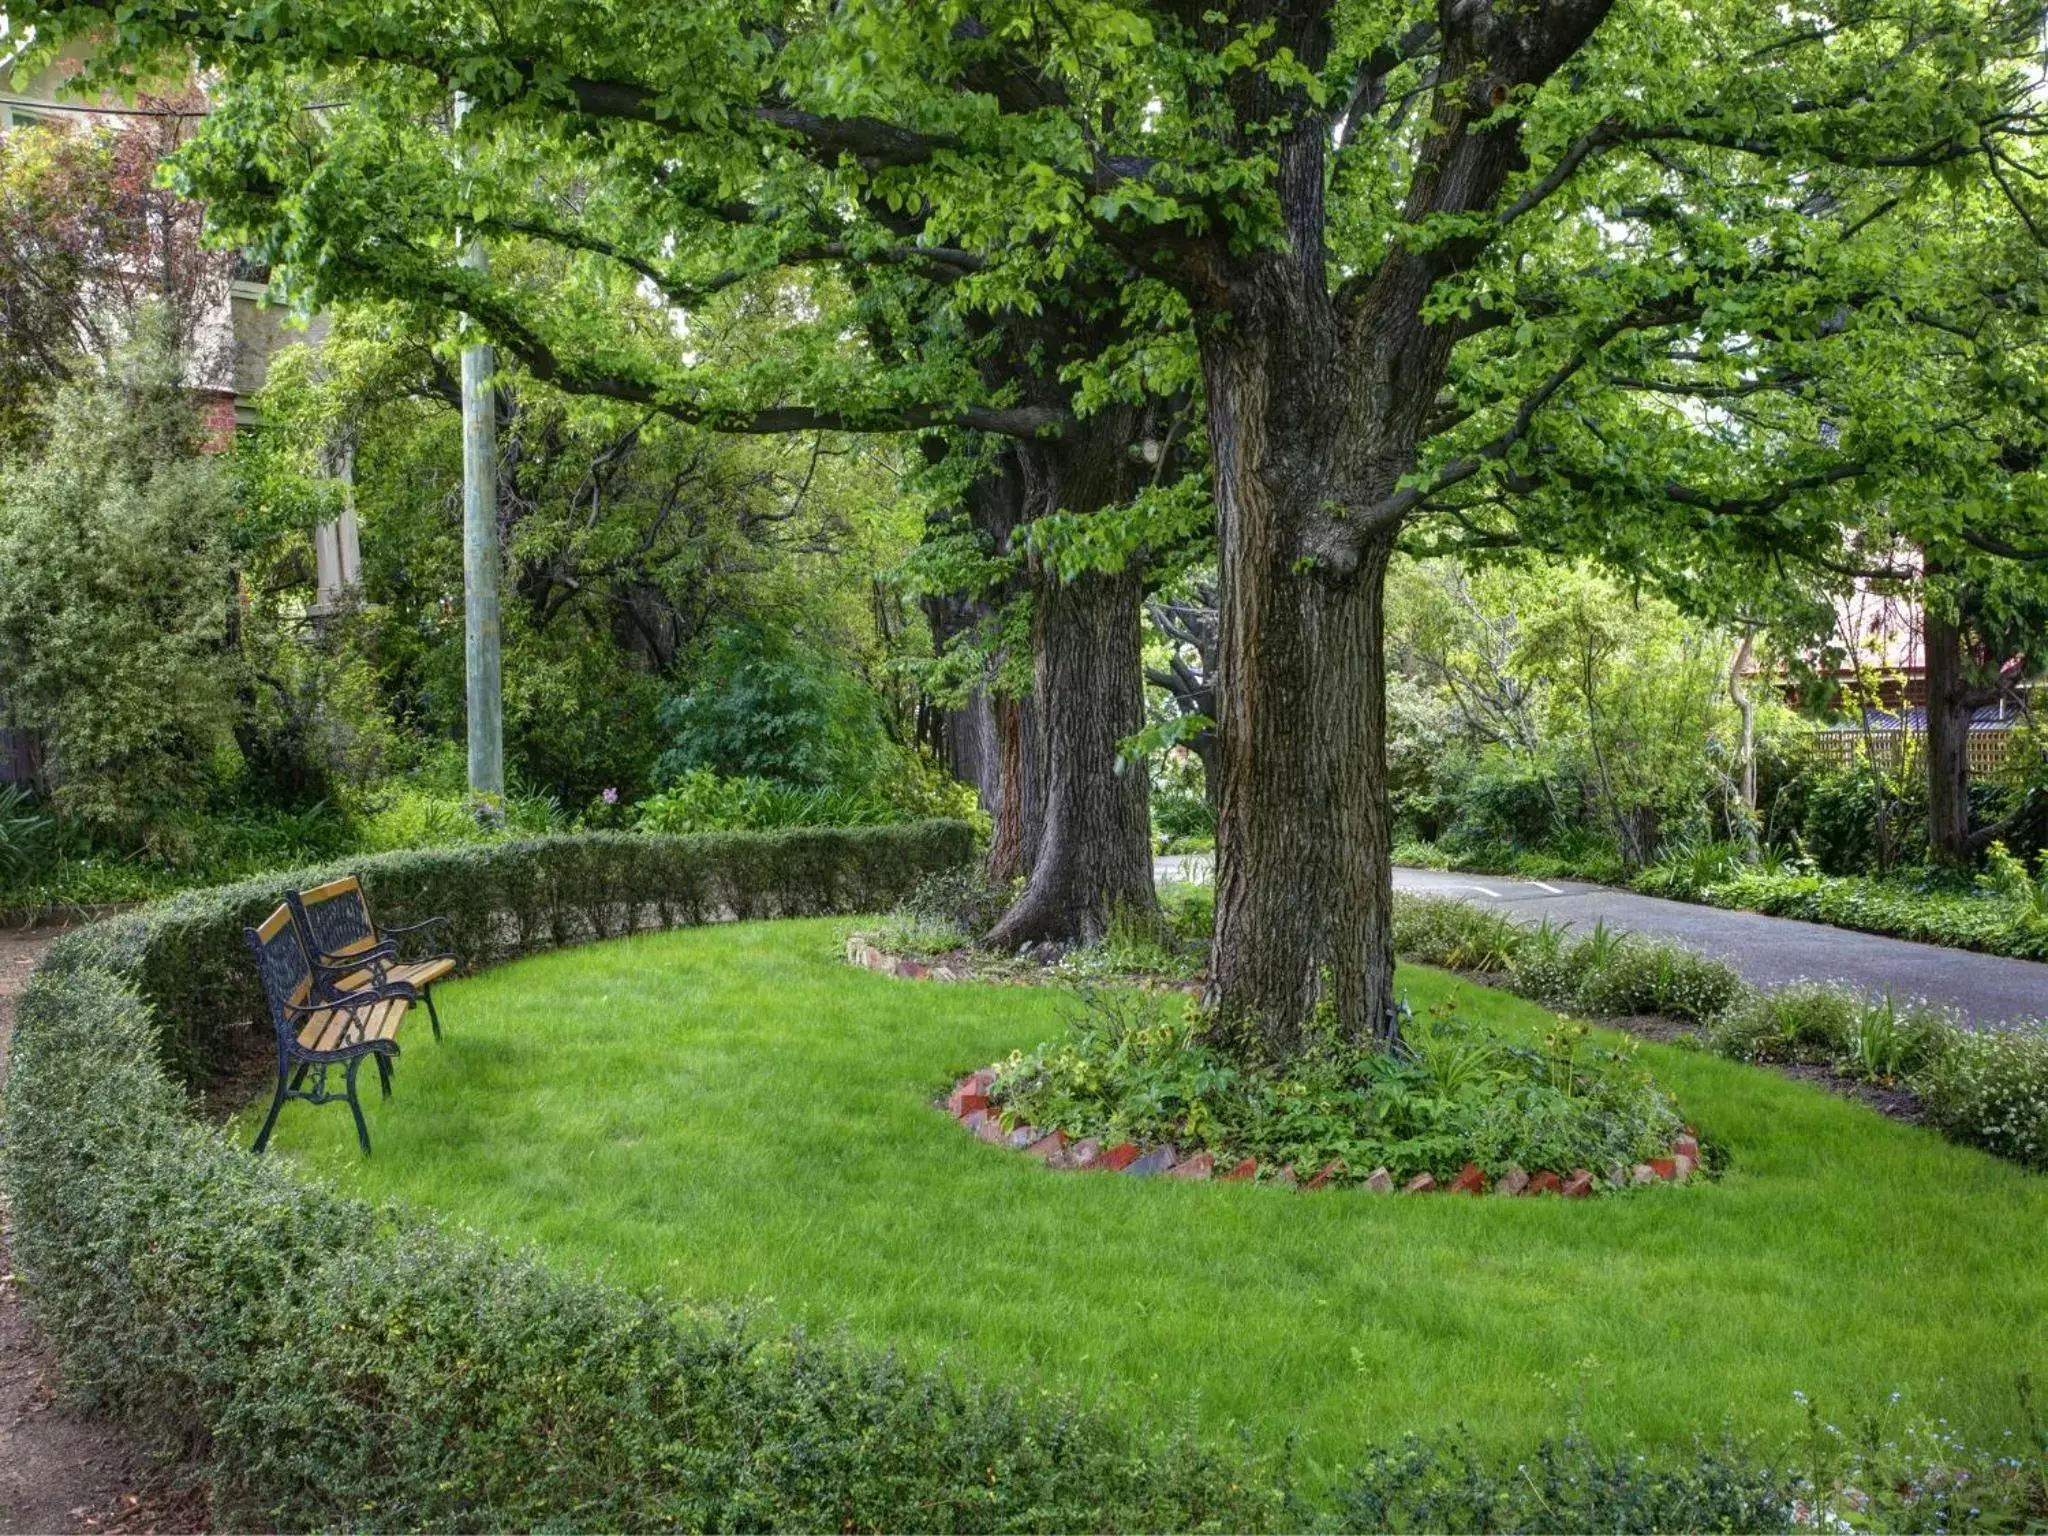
(337, 918)
(281, 961)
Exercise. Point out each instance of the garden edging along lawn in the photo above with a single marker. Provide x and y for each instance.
(969, 1104)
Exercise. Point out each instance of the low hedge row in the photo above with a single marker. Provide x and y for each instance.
(1975, 920)
(327, 1364)
(330, 1365)
(1986, 1088)
(186, 958)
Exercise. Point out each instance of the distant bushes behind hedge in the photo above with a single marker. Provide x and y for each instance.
(186, 958)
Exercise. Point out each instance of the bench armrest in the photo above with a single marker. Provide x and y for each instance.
(414, 927)
(362, 959)
(439, 950)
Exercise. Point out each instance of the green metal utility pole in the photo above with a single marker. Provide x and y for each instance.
(480, 558)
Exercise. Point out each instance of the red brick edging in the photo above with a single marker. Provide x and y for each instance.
(969, 1104)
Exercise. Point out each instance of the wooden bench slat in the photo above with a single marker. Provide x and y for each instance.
(420, 973)
(332, 1028)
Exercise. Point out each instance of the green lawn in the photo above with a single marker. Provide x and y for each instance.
(734, 1113)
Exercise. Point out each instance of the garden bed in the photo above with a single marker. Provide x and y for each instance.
(1412, 1121)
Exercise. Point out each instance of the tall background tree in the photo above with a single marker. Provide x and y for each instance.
(1547, 270)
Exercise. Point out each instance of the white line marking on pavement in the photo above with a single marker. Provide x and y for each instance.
(1482, 890)
(1541, 886)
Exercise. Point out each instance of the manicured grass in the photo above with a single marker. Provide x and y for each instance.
(734, 1113)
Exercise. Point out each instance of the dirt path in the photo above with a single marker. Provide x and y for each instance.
(60, 1471)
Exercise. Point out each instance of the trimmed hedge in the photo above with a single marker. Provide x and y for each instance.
(186, 958)
(327, 1364)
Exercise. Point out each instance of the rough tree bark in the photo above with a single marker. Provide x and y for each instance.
(1318, 396)
(1950, 703)
(1095, 851)
(1094, 855)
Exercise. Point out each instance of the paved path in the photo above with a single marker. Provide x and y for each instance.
(1769, 951)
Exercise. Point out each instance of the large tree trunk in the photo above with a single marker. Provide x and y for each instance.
(1094, 854)
(1949, 701)
(1304, 883)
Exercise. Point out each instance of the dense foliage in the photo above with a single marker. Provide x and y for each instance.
(114, 594)
(1133, 1068)
(1988, 1087)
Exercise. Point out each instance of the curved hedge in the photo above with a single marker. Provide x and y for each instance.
(329, 1364)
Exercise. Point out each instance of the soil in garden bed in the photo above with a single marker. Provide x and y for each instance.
(1899, 1103)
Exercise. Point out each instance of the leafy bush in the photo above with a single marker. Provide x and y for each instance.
(27, 835)
(1606, 972)
(701, 801)
(1181, 817)
(1131, 1066)
(764, 708)
(1886, 1472)
(1878, 1039)
(1925, 907)
(1505, 800)
(418, 817)
(114, 591)
(1567, 1485)
(1685, 869)
(331, 1365)
(1990, 1088)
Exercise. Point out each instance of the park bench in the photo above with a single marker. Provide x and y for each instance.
(350, 952)
(320, 1028)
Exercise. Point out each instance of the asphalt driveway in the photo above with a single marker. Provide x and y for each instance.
(1768, 951)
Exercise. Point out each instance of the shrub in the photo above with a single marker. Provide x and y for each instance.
(1807, 1021)
(2002, 919)
(1567, 1485)
(328, 1364)
(1645, 976)
(331, 1365)
(1990, 1088)
(27, 835)
(1142, 1067)
(1606, 972)
(766, 707)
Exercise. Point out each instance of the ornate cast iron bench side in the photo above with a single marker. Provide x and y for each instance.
(349, 951)
(315, 1033)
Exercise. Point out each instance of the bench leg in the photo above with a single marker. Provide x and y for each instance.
(384, 1072)
(270, 1120)
(433, 1013)
(355, 1106)
(299, 1076)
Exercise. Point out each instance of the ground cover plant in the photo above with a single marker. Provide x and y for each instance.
(1138, 1067)
(1988, 1088)
(736, 1112)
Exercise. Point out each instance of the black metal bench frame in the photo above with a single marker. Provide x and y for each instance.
(338, 917)
(291, 987)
